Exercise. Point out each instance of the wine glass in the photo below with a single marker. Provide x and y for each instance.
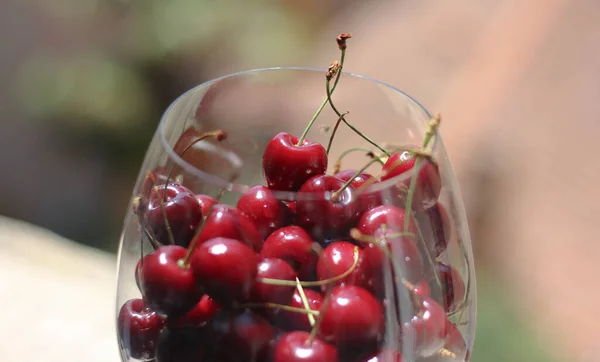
(267, 224)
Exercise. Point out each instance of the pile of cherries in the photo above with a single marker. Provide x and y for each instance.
(323, 277)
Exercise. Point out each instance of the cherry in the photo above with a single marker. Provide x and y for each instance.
(294, 245)
(428, 184)
(139, 328)
(453, 287)
(225, 268)
(435, 224)
(367, 200)
(353, 317)
(203, 312)
(385, 355)
(228, 222)
(455, 343)
(300, 321)
(428, 327)
(422, 289)
(323, 216)
(206, 203)
(241, 337)
(298, 346)
(166, 284)
(261, 206)
(179, 215)
(336, 259)
(273, 268)
(388, 217)
(287, 165)
(182, 345)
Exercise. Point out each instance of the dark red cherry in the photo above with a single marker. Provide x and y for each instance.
(182, 210)
(385, 218)
(294, 245)
(273, 268)
(206, 203)
(226, 221)
(287, 166)
(428, 327)
(182, 345)
(297, 347)
(225, 269)
(429, 184)
(453, 287)
(167, 286)
(366, 200)
(436, 228)
(201, 313)
(291, 205)
(353, 317)
(299, 321)
(337, 258)
(241, 337)
(263, 208)
(320, 213)
(139, 328)
(385, 355)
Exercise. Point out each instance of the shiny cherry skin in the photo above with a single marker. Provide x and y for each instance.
(384, 355)
(182, 210)
(353, 317)
(337, 258)
(287, 166)
(139, 328)
(436, 228)
(453, 286)
(241, 337)
(294, 347)
(322, 216)
(264, 209)
(206, 203)
(387, 218)
(299, 321)
(429, 183)
(294, 245)
(167, 286)
(273, 268)
(198, 316)
(366, 200)
(422, 288)
(182, 345)
(225, 269)
(428, 327)
(228, 222)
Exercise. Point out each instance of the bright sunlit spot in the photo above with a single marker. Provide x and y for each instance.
(337, 256)
(162, 258)
(343, 301)
(219, 249)
(304, 352)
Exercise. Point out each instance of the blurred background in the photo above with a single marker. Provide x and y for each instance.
(85, 83)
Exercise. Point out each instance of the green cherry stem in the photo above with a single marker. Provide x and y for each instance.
(338, 163)
(311, 318)
(281, 306)
(335, 128)
(336, 194)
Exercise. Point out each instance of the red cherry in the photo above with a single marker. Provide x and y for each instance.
(225, 269)
(294, 245)
(336, 259)
(139, 328)
(261, 206)
(206, 203)
(385, 355)
(182, 210)
(225, 221)
(384, 218)
(182, 345)
(287, 166)
(203, 312)
(429, 184)
(242, 337)
(320, 214)
(428, 327)
(294, 347)
(436, 228)
(453, 287)
(422, 289)
(353, 317)
(455, 343)
(293, 320)
(367, 200)
(167, 286)
(273, 268)
(159, 176)
(291, 205)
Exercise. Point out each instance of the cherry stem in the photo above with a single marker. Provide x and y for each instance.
(137, 210)
(311, 318)
(150, 176)
(428, 254)
(315, 283)
(335, 128)
(338, 163)
(336, 194)
(310, 312)
(219, 135)
(324, 103)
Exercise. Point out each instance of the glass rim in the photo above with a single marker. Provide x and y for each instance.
(282, 195)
